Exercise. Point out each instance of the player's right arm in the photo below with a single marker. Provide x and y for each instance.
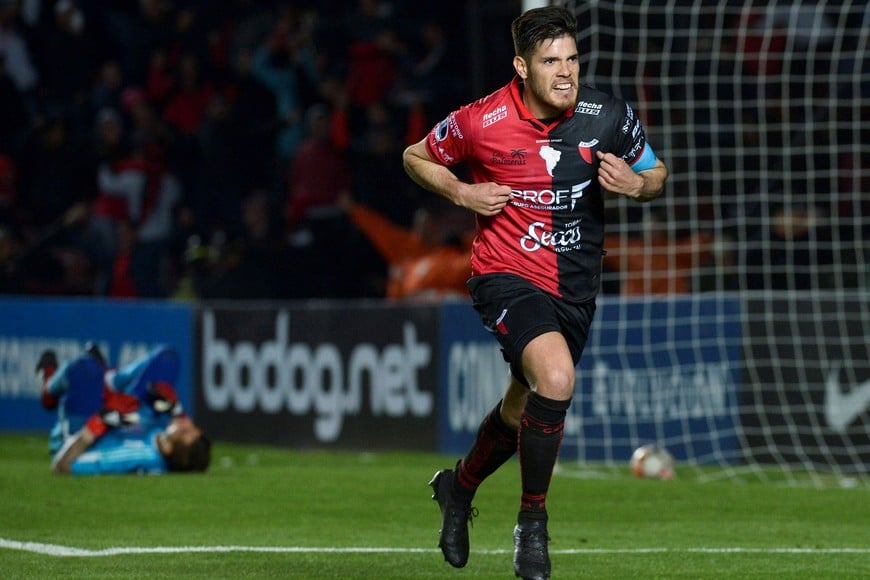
(486, 199)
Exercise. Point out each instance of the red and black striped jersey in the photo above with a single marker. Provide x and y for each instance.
(552, 231)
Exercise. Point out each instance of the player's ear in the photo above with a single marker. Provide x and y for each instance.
(520, 67)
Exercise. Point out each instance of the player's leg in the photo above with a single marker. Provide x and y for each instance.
(511, 309)
(161, 364)
(454, 489)
(78, 386)
(550, 371)
(549, 361)
(495, 442)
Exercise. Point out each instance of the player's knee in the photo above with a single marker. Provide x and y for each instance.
(555, 382)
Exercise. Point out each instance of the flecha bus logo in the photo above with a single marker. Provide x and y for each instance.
(585, 149)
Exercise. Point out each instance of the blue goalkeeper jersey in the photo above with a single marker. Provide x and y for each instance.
(127, 450)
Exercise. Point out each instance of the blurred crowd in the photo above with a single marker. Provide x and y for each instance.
(251, 149)
(207, 150)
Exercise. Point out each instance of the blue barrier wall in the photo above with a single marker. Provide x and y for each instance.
(124, 331)
(653, 370)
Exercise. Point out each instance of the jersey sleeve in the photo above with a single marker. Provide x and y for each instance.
(449, 142)
(632, 145)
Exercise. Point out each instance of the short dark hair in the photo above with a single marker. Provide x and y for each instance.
(539, 24)
(193, 457)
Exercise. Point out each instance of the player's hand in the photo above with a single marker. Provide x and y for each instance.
(118, 409)
(164, 398)
(616, 176)
(486, 199)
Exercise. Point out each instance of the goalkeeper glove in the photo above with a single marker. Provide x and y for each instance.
(165, 399)
(118, 409)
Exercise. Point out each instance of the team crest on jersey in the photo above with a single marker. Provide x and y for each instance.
(441, 130)
(585, 149)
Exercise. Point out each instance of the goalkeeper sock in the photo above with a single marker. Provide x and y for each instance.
(540, 437)
(48, 400)
(494, 445)
(45, 369)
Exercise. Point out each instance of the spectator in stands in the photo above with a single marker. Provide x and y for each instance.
(654, 262)
(256, 264)
(54, 171)
(187, 101)
(430, 73)
(57, 259)
(219, 179)
(252, 115)
(107, 89)
(195, 278)
(121, 282)
(427, 262)
(12, 279)
(283, 62)
(124, 420)
(150, 195)
(319, 173)
(372, 53)
(792, 253)
(135, 31)
(14, 114)
(8, 189)
(16, 55)
(66, 63)
(110, 138)
(379, 182)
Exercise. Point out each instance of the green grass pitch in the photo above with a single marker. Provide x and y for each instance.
(274, 513)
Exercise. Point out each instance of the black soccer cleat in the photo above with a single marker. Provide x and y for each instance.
(531, 558)
(47, 360)
(455, 515)
(45, 367)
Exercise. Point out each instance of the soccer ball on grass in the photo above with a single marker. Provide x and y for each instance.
(652, 462)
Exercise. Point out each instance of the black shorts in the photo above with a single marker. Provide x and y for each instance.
(516, 312)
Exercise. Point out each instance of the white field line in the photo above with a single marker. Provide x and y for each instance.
(65, 551)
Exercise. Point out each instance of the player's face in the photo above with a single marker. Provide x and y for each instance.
(180, 431)
(552, 76)
(183, 430)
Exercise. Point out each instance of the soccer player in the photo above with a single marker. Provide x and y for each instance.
(125, 420)
(541, 151)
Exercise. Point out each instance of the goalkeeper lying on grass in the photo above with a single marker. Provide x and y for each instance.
(125, 420)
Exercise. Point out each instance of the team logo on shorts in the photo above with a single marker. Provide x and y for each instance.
(585, 149)
(500, 325)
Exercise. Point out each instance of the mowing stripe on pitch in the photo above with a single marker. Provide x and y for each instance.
(65, 551)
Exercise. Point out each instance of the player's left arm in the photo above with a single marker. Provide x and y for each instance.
(118, 409)
(617, 176)
(71, 450)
